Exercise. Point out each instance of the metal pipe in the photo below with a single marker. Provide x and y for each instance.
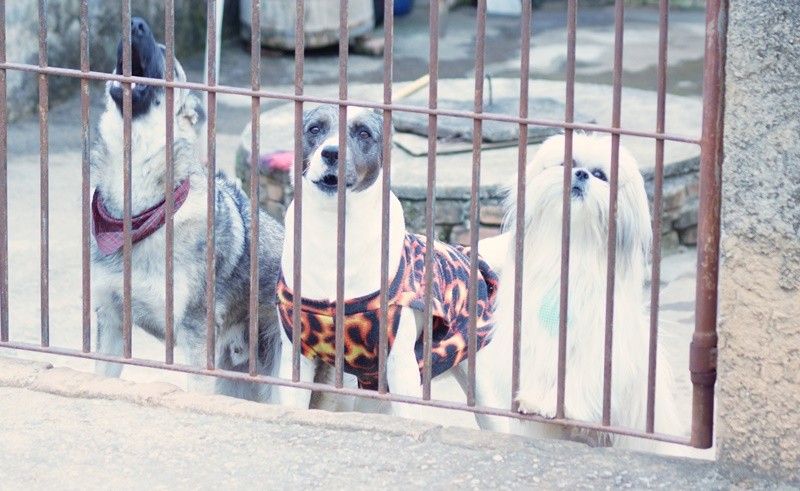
(266, 94)
(703, 351)
(519, 222)
(613, 181)
(4, 329)
(44, 183)
(299, 64)
(566, 209)
(658, 193)
(169, 186)
(430, 199)
(211, 269)
(370, 394)
(344, 45)
(388, 63)
(85, 184)
(255, 124)
(127, 246)
(477, 139)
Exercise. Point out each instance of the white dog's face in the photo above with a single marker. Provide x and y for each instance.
(590, 195)
(364, 158)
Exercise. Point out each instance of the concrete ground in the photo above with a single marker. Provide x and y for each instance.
(106, 433)
(69, 430)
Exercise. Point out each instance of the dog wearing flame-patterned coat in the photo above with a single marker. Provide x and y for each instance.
(406, 295)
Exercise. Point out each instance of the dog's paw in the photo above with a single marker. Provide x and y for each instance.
(545, 406)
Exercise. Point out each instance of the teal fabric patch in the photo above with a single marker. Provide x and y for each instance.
(549, 309)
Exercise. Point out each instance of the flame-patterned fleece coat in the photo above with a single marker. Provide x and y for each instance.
(450, 311)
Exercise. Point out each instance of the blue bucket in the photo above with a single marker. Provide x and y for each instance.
(402, 7)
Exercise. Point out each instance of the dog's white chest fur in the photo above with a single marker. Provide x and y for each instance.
(148, 267)
(362, 250)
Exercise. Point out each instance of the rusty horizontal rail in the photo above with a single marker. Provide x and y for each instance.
(343, 391)
(266, 94)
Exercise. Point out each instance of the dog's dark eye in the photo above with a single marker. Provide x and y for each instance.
(314, 130)
(600, 175)
(364, 134)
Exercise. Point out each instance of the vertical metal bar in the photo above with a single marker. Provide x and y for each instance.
(127, 247)
(44, 193)
(211, 272)
(703, 354)
(619, 14)
(430, 200)
(477, 137)
(85, 183)
(3, 183)
(255, 84)
(342, 205)
(519, 223)
(169, 190)
(388, 61)
(655, 287)
(299, 64)
(566, 208)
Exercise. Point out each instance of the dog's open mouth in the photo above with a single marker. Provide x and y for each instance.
(577, 192)
(328, 183)
(147, 60)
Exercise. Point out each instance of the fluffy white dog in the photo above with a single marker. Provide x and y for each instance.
(586, 298)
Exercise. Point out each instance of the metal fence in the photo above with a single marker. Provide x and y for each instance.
(703, 346)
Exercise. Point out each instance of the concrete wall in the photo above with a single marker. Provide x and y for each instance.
(759, 357)
(63, 41)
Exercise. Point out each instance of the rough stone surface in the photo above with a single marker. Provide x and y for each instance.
(492, 215)
(63, 42)
(451, 128)
(20, 373)
(759, 386)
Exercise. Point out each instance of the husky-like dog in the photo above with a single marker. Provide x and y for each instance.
(232, 234)
(362, 278)
(586, 299)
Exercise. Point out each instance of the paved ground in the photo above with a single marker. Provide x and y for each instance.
(98, 437)
(66, 430)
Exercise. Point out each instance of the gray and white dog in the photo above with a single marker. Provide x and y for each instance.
(232, 234)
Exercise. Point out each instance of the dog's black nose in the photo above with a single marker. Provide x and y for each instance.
(330, 155)
(139, 27)
(581, 175)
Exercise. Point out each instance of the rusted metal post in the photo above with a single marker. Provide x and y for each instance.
(169, 186)
(388, 63)
(703, 351)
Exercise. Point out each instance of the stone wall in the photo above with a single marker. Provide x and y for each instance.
(63, 42)
(759, 328)
(452, 214)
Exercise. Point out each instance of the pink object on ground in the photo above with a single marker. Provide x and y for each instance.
(279, 160)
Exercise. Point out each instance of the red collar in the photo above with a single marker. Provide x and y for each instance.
(108, 230)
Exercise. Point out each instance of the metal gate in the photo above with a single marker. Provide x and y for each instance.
(703, 346)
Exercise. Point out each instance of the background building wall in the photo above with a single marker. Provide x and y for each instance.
(63, 41)
(759, 356)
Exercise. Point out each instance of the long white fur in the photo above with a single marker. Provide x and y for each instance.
(361, 277)
(586, 299)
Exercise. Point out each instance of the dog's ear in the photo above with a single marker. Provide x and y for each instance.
(634, 232)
